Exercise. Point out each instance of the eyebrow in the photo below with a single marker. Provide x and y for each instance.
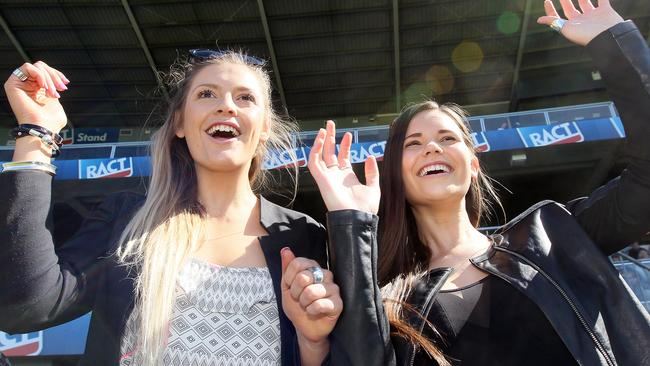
(419, 134)
(215, 86)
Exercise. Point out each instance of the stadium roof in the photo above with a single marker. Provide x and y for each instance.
(343, 58)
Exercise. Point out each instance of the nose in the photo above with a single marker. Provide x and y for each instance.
(226, 105)
(432, 147)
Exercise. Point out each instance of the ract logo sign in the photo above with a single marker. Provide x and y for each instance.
(29, 344)
(361, 151)
(481, 143)
(561, 133)
(282, 159)
(105, 168)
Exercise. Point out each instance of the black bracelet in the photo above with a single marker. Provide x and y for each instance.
(52, 140)
(23, 130)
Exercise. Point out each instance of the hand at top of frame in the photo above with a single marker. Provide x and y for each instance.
(585, 24)
(36, 100)
(338, 184)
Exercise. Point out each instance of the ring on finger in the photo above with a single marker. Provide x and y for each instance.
(557, 24)
(20, 74)
(317, 274)
(332, 165)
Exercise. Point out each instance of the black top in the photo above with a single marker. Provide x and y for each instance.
(491, 323)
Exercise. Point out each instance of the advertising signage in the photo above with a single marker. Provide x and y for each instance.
(487, 141)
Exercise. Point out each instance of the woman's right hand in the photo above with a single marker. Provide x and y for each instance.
(36, 100)
(585, 24)
(337, 182)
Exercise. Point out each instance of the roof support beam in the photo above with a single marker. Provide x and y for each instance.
(398, 77)
(13, 40)
(145, 48)
(514, 99)
(274, 61)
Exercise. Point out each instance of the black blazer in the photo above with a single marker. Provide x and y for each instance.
(41, 287)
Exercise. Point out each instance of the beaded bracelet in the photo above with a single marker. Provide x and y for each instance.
(29, 165)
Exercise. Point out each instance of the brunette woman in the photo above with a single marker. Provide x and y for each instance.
(539, 292)
(187, 273)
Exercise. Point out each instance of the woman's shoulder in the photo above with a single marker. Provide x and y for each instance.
(278, 218)
(554, 208)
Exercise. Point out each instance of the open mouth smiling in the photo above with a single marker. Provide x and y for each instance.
(434, 169)
(223, 130)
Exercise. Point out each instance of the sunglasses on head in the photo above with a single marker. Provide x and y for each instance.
(201, 54)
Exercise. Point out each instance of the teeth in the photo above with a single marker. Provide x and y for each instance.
(431, 168)
(223, 128)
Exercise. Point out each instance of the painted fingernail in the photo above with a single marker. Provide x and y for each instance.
(56, 94)
(62, 86)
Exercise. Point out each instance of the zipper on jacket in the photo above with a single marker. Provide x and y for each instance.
(425, 314)
(584, 324)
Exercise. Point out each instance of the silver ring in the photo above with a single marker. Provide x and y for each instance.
(557, 24)
(317, 274)
(20, 74)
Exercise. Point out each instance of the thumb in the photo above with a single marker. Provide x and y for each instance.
(371, 171)
(546, 20)
(287, 256)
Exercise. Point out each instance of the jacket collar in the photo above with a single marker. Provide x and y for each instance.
(272, 216)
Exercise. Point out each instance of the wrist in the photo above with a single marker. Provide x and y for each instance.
(31, 148)
(315, 345)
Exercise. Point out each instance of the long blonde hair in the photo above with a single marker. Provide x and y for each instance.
(169, 226)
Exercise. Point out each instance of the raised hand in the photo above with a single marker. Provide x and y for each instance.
(585, 24)
(337, 182)
(36, 100)
(313, 308)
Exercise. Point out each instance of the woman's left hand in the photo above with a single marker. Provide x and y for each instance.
(585, 24)
(313, 308)
(337, 182)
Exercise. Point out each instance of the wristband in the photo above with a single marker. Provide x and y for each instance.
(29, 165)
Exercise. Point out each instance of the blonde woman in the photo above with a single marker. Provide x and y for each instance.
(196, 272)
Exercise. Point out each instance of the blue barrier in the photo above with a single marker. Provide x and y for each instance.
(485, 141)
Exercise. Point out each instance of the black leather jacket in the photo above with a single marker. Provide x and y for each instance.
(554, 254)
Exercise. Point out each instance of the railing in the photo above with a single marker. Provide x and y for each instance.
(637, 276)
(495, 122)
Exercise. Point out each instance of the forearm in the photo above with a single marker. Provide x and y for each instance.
(28, 254)
(312, 353)
(618, 213)
(30, 148)
(362, 334)
(623, 59)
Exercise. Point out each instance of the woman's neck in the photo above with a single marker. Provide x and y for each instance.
(225, 194)
(448, 232)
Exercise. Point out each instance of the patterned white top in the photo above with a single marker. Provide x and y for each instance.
(222, 316)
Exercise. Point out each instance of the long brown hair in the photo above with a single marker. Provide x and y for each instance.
(400, 250)
(403, 258)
